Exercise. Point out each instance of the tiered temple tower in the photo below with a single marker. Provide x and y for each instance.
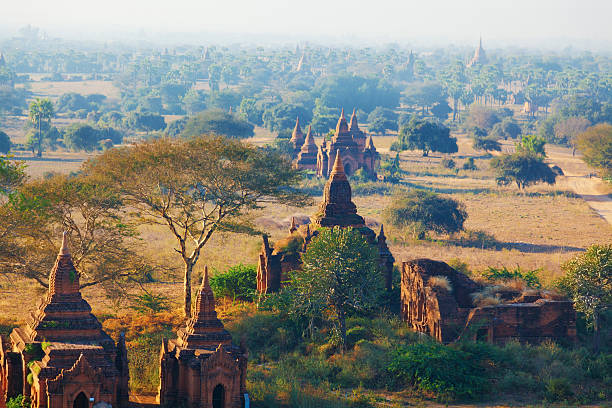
(480, 57)
(201, 367)
(349, 140)
(336, 210)
(62, 358)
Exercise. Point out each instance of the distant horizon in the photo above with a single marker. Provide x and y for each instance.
(547, 24)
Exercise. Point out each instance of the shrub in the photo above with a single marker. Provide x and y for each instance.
(18, 402)
(441, 282)
(353, 335)
(434, 212)
(238, 282)
(504, 274)
(443, 370)
(469, 164)
(448, 163)
(150, 303)
(558, 389)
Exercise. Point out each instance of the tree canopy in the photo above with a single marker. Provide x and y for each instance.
(596, 147)
(421, 209)
(196, 187)
(522, 168)
(217, 122)
(340, 274)
(426, 135)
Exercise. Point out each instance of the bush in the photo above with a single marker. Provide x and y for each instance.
(448, 163)
(558, 389)
(434, 212)
(443, 370)
(18, 402)
(469, 164)
(238, 282)
(504, 274)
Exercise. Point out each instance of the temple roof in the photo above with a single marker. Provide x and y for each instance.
(309, 146)
(353, 124)
(63, 316)
(370, 145)
(204, 329)
(341, 126)
(297, 136)
(337, 208)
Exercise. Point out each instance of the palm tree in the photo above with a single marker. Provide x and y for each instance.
(41, 110)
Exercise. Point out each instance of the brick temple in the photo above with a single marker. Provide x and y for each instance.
(336, 210)
(201, 368)
(62, 358)
(355, 148)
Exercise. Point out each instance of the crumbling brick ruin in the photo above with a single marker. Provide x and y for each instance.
(439, 301)
(63, 358)
(201, 367)
(336, 210)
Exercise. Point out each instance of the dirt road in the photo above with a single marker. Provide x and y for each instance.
(592, 189)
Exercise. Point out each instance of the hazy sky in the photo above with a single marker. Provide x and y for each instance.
(499, 21)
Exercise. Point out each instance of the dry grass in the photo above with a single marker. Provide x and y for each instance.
(51, 89)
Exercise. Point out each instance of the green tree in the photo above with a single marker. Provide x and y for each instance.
(421, 209)
(41, 112)
(532, 144)
(339, 275)
(251, 111)
(486, 144)
(81, 136)
(382, 119)
(215, 121)
(505, 129)
(194, 101)
(424, 94)
(11, 175)
(596, 147)
(5, 143)
(426, 135)
(103, 244)
(588, 282)
(522, 168)
(196, 187)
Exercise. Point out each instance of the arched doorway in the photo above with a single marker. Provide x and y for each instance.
(81, 401)
(218, 397)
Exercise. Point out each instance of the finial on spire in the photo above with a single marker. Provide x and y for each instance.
(342, 113)
(381, 234)
(64, 249)
(205, 283)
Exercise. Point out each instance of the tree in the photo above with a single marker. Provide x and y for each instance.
(5, 143)
(194, 101)
(41, 112)
(588, 282)
(482, 117)
(251, 110)
(523, 168)
(217, 122)
(146, 121)
(567, 130)
(505, 129)
(340, 274)
(531, 144)
(486, 144)
(427, 210)
(102, 241)
(596, 147)
(424, 94)
(382, 119)
(11, 175)
(196, 187)
(282, 116)
(427, 136)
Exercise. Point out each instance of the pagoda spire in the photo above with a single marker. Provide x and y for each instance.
(353, 125)
(297, 136)
(293, 228)
(64, 279)
(338, 169)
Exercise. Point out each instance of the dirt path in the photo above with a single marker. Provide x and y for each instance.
(593, 190)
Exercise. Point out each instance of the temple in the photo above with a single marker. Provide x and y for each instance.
(355, 148)
(201, 368)
(336, 210)
(480, 57)
(62, 358)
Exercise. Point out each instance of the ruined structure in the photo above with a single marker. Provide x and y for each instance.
(480, 57)
(62, 358)
(336, 210)
(357, 151)
(438, 300)
(201, 368)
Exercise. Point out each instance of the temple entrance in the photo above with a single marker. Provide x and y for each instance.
(348, 169)
(81, 401)
(218, 397)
